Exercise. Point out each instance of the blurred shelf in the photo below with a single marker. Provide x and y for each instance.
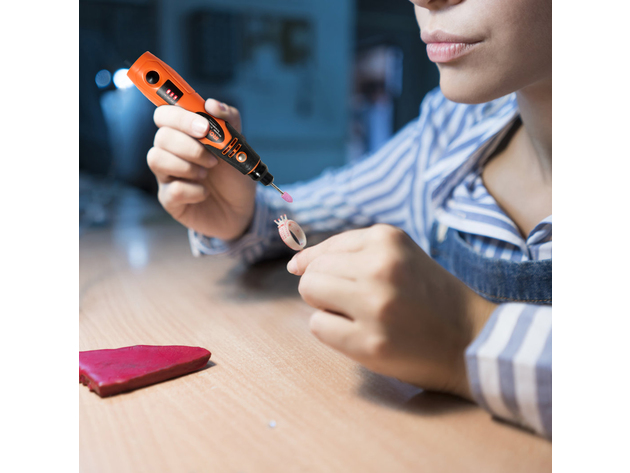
(108, 203)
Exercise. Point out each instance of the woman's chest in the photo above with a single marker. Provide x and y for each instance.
(518, 189)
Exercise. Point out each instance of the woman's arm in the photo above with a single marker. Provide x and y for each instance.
(509, 366)
(376, 189)
(354, 196)
(382, 301)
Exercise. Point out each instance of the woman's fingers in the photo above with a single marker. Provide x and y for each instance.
(346, 242)
(336, 331)
(171, 116)
(166, 166)
(225, 112)
(351, 265)
(178, 193)
(193, 124)
(183, 146)
(326, 292)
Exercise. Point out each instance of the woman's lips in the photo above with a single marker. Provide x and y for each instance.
(446, 52)
(445, 47)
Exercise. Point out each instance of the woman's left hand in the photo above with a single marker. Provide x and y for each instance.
(382, 301)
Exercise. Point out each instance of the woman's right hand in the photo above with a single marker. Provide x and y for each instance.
(197, 189)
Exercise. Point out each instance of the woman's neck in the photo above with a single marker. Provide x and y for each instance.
(534, 103)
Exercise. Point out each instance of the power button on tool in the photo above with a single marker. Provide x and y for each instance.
(152, 77)
(241, 157)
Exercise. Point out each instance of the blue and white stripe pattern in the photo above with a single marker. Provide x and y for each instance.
(509, 365)
(431, 171)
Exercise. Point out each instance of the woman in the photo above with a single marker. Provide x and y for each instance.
(440, 271)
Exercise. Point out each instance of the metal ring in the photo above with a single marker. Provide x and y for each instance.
(288, 227)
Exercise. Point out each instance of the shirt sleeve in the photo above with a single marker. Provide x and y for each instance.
(375, 189)
(509, 366)
(372, 190)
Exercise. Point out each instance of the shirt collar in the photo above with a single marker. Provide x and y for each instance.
(475, 144)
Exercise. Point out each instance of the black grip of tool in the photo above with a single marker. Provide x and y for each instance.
(252, 166)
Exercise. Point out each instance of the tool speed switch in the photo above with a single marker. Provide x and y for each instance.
(170, 93)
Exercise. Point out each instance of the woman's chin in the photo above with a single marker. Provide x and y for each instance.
(478, 86)
(463, 90)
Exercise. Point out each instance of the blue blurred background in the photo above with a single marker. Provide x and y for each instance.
(318, 83)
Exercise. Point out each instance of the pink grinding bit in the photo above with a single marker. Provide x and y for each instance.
(285, 195)
(109, 372)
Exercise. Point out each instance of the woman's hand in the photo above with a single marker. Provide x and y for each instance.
(197, 189)
(385, 303)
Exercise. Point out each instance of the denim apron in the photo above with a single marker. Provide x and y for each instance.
(495, 279)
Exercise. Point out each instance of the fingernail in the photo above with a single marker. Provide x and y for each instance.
(199, 125)
(292, 266)
(212, 161)
(222, 106)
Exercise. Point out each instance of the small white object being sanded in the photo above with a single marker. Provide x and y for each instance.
(288, 227)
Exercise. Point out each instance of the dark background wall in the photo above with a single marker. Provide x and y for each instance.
(318, 83)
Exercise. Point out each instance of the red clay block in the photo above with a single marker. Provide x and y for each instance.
(109, 372)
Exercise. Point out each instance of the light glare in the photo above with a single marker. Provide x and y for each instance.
(121, 81)
(103, 78)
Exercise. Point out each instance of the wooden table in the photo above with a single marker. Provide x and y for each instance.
(273, 399)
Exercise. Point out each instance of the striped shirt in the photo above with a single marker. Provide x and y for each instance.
(431, 171)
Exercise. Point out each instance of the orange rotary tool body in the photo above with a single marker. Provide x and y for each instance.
(163, 86)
